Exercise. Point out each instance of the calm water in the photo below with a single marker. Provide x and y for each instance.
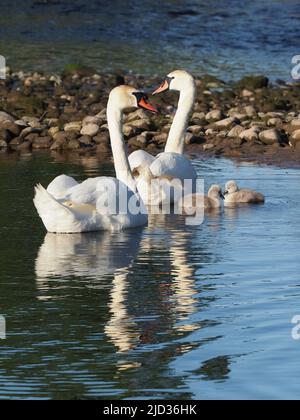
(226, 38)
(168, 311)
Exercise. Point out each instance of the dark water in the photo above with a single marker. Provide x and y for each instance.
(226, 38)
(168, 311)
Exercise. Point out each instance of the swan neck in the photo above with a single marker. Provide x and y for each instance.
(175, 142)
(119, 149)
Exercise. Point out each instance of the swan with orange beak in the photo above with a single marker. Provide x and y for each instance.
(154, 175)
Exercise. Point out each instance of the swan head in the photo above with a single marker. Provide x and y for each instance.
(231, 188)
(178, 81)
(127, 97)
(215, 191)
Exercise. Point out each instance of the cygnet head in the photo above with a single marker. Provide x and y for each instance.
(126, 97)
(231, 188)
(215, 191)
(178, 81)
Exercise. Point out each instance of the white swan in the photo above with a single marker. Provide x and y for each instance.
(170, 165)
(69, 207)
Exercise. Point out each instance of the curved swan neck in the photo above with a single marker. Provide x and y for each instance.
(120, 156)
(175, 143)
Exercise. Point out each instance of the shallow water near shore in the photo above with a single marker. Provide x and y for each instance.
(168, 311)
(228, 39)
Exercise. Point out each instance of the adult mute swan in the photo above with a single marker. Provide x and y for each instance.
(233, 195)
(171, 165)
(101, 203)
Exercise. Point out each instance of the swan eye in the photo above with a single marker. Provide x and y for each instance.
(169, 80)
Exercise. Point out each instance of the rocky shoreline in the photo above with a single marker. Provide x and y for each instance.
(251, 119)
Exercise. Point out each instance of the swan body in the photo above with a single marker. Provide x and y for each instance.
(170, 165)
(101, 203)
(156, 176)
(233, 195)
(211, 202)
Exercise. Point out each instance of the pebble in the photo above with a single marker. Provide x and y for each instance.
(102, 137)
(52, 131)
(32, 122)
(92, 120)
(74, 144)
(235, 131)
(213, 116)
(90, 130)
(142, 124)
(295, 122)
(250, 135)
(29, 130)
(73, 126)
(296, 135)
(250, 111)
(160, 138)
(4, 116)
(42, 143)
(274, 122)
(195, 129)
(86, 140)
(3, 144)
(208, 147)
(269, 137)
(210, 132)
(136, 115)
(226, 123)
(247, 93)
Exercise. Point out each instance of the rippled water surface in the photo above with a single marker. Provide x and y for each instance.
(168, 311)
(226, 38)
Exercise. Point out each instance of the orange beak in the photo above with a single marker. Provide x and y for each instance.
(162, 88)
(144, 104)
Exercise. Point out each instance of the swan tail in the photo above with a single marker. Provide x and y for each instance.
(56, 217)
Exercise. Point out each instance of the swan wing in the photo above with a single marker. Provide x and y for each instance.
(55, 216)
(84, 193)
(140, 159)
(59, 187)
(173, 165)
(120, 207)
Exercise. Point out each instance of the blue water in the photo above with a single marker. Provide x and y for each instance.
(225, 38)
(169, 311)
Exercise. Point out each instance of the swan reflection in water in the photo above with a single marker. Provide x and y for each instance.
(95, 258)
